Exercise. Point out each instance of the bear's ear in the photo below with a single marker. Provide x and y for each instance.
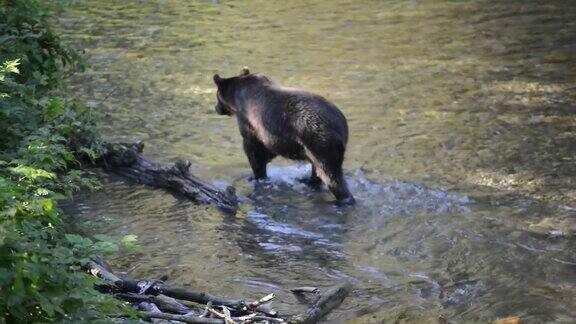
(244, 71)
(217, 79)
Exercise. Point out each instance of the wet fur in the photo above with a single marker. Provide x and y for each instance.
(279, 121)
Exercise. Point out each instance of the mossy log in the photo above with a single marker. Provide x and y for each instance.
(127, 160)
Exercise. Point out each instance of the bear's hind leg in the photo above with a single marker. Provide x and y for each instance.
(337, 185)
(258, 156)
(327, 165)
(314, 180)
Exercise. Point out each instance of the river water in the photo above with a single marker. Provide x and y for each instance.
(462, 153)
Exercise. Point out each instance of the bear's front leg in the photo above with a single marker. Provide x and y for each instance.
(258, 156)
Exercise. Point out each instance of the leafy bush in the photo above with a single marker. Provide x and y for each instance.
(43, 135)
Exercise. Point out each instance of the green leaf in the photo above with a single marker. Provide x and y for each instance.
(106, 247)
(32, 173)
(102, 237)
(47, 305)
(47, 205)
(78, 240)
(11, 66)
(42, 192)
(54, 110)
(129, 240)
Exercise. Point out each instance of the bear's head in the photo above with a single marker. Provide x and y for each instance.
(225, 95)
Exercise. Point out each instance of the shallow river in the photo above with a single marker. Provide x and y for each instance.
(462, 153)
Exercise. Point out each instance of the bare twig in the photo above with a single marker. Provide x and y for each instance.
(207, 309)
(255, 318)
(301, 290)
(227, 315)
(261, 301)
(223, 316)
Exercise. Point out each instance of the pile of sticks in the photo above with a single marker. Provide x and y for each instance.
(158, 302)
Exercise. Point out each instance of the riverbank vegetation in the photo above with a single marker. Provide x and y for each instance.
(44, 134)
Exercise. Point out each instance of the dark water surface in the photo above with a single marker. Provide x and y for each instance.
(462, 153)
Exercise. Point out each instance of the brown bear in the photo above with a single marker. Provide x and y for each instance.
(298, 125)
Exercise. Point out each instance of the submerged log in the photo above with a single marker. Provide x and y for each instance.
(127, 160)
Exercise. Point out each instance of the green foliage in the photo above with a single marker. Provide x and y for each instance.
(44, 134)
(35, 64)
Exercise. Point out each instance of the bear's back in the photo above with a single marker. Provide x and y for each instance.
(282, 116)
(311, 114)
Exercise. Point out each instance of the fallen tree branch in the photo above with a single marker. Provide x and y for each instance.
(182, 318)
(100, 271)
(327, 302)
(126, 160)
(158, 287)
(164, 303)
(148, 307)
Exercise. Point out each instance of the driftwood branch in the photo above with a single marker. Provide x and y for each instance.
(127, 161)
(257, 303)
(164, 303)
(182, 318)
(149, 307)
(156, 287)
(327, 302)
